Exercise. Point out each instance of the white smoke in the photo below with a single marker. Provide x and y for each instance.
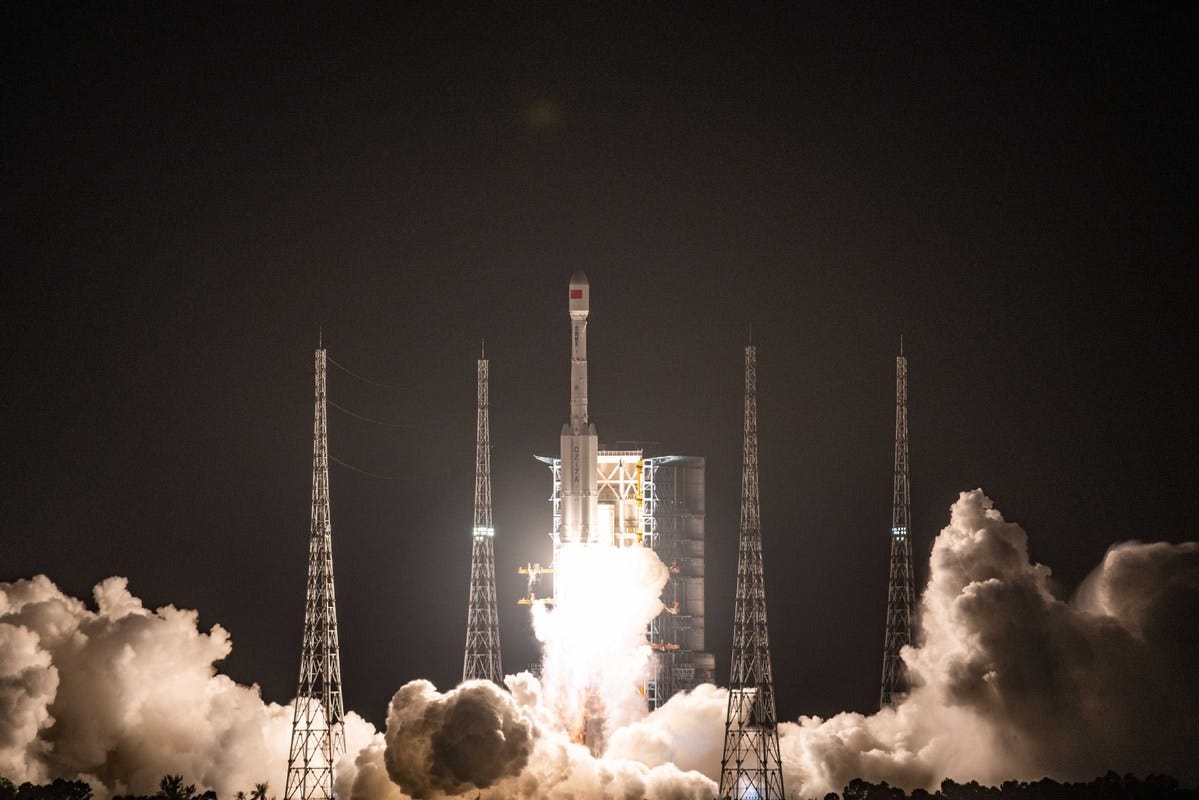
(368, 780)
(122, 695)
(449, 743)
(1010, 682)
(688, 732)
(1013, 683)
(481, 741)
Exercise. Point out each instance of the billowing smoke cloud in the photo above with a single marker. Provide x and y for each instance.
(1015, 683)
(122, 695)
(688, 732)
(482, 741)
(1010, 682)
(470, 737)
(368, 779)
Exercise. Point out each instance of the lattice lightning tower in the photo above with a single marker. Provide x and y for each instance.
(482, 618)
(901, 594)
(751, 766)
(317, 734)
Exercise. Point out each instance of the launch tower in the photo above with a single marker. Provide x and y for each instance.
(482, 618)
(901, 593)
(751, 766)
(317, 734)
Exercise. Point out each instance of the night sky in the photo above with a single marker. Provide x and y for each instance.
(191, 194)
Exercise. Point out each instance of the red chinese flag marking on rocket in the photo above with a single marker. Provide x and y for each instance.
(576, 294)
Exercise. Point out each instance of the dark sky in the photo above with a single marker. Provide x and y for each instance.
(190, 192)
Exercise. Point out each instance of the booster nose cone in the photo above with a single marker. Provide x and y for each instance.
(580, 295)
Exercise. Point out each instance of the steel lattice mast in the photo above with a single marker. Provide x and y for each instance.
(482, 617)
(901, 593)
(317, 734)
(751, 766)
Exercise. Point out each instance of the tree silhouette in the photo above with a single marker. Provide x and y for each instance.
(171, 788)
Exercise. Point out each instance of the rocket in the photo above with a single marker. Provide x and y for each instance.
(580, 444)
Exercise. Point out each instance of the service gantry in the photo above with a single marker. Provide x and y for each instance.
(317, 733)
(482, 658)
(751, 766)
(901, 592)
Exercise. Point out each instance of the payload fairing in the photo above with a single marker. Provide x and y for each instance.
(580, 443)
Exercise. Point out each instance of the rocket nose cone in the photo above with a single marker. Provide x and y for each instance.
(578, 279)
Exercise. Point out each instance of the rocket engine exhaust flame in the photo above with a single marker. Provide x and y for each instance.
(595, 652)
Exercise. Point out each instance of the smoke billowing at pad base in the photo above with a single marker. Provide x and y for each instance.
(478, 737)
(1010, 682)
(121, 695)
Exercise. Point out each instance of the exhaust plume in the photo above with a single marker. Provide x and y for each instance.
(593, 639)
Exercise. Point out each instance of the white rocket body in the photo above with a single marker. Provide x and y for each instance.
(580, 444)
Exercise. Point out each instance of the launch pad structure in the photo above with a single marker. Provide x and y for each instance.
(606, 498)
